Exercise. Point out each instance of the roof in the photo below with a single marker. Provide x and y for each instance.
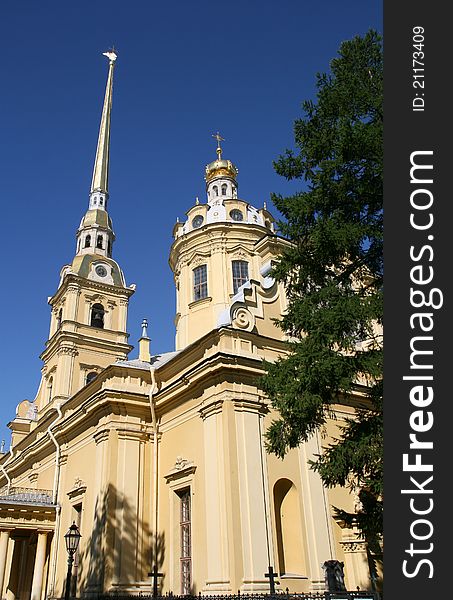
(157, 361)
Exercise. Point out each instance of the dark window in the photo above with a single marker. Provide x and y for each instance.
(109, 247)
(240, 273)
(236, 215)
(197, 221)
(49, 389)
(216, 190)
(224, 189)
(87, 241)
(97, 315)
(91, 376)
(200, 282)
(59, 318)
(99, 243)
(186, 543)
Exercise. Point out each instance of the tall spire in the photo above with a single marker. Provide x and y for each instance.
(100, 182)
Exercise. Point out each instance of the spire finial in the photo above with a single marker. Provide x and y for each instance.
(144, 344)
(219, 139)
(144, 328)
(100, 181)
(111, 55)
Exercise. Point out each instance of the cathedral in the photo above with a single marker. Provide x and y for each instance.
(158, 460)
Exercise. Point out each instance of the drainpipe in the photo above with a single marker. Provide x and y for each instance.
(152, 391)
(56, 478)
(145, 356)
(2, 467)
(55, 492)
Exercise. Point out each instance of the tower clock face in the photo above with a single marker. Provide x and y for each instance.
(101, 271)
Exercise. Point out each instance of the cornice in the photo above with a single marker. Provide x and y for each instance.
(211, 408)
(73, 281)
(82, 340)
(251, 406)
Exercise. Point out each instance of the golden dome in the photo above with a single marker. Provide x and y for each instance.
(220, 168)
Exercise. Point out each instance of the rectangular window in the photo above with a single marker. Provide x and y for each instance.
(200, 282)
(240, 274)
(186, 543)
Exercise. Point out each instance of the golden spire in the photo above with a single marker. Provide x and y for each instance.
(219, 139)
(100, 181)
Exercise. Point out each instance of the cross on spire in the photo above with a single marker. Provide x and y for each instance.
(219, 139)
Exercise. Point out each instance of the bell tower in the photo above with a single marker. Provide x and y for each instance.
(89, 308)
(223, 246)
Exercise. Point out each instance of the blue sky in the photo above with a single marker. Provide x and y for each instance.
(184, 71)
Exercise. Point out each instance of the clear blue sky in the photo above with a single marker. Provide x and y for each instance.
(184, 70)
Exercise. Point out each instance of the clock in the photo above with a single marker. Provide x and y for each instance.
(101, 271)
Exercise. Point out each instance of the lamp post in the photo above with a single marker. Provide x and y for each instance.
(71, 538)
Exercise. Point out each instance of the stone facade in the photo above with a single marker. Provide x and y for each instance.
(160, 459)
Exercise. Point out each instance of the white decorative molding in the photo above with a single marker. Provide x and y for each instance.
(183, 468)
(243, 319)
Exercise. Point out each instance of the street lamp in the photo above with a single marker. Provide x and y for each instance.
(71, 538)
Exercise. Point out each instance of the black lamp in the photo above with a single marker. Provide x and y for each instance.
(72, 539)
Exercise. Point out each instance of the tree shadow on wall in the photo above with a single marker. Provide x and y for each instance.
(119, 549)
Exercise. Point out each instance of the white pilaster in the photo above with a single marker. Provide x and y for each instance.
(4, 539)
(40, 561)
(254, 542)
(317, 514)
(217, 580)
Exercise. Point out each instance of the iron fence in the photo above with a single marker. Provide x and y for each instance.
(348, 595)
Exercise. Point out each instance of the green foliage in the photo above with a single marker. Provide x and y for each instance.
(333, 275)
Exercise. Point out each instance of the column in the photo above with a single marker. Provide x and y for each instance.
(40, 561)
(4, 539)
(218, 579)
(99, 566)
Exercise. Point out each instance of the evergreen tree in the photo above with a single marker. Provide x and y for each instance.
(333, 275)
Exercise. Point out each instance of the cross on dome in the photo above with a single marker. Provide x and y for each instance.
(219, 139)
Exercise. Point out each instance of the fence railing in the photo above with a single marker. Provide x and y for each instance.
(348, 595)
(26, 495)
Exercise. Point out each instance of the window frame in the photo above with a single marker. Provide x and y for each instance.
(200, 288)
(239, 279)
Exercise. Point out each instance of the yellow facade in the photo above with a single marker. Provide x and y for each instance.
(160, 459)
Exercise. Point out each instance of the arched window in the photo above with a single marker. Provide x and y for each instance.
(87, 241)
(101, 201)
(92, 375)
(49, 389)
(240, 273)
(97, 316)
(290, 545)
(216, 190)
(109, 247)
(99, 242)
(59, 318)
(224, 189)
